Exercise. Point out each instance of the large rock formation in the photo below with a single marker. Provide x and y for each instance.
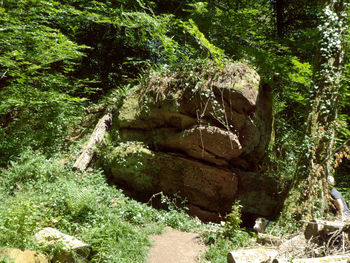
(197, 136)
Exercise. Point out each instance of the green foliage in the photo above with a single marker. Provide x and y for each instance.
(227, 236)
(58, 56)
(216, 53)
(26, 170)
(152, 32)
(217, 251)
(19, 217)
(301, 73)
(233, 221)
(116, 241)
(232, 229)
(344, 118)
(36, 60)
(37, 192)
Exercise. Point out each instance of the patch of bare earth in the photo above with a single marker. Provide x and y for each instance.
(174, 246)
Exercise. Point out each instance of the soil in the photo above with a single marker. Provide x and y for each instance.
(174, 246)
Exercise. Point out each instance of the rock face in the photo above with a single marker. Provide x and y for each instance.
(204, 186)
(258, 193)
(196, 136)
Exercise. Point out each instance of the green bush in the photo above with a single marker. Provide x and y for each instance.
(233, 221)
(30, 167)
(19, 218)
(226, 236)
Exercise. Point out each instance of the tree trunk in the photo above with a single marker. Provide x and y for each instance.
(310, 181)
(326, 230)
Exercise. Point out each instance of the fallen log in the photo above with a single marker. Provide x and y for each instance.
(251, 255)
(95, 140)
(328, 259)
(324, 229)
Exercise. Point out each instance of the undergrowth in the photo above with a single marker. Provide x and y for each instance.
(36, 192)
(227, 236)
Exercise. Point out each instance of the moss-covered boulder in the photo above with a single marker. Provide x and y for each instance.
(199, 127)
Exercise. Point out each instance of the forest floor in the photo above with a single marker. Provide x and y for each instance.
(174, 246)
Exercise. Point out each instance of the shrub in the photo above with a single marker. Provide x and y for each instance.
(226, 236)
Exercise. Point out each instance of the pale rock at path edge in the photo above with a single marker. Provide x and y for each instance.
(72, 248)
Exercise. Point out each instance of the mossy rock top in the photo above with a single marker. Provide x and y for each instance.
(174, 98)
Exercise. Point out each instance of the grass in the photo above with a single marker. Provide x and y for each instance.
(36, 192)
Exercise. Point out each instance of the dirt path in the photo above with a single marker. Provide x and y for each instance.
(174, 246)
